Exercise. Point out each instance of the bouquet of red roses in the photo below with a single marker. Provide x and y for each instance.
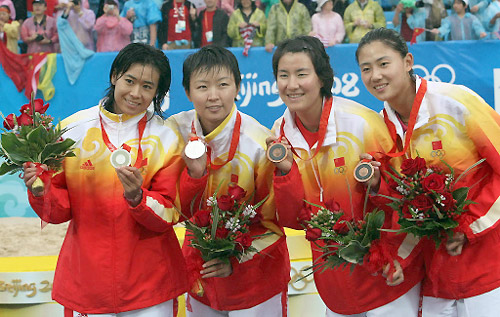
(222, 230)
(430, 204)
(31, 137)
(344, 241)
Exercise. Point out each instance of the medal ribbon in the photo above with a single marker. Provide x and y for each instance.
(235, 139)
(417, 102)
(323, 125)
(141, 125)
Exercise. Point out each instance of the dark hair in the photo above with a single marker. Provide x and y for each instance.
(210, 57)
(387, 37)
(138, 53)
(252, 5)
(319, 58)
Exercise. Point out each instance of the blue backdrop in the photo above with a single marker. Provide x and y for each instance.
(469, 63)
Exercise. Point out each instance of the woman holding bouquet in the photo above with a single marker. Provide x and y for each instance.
(443, 122)
(120, 256)
(328, 134)
(257, 284)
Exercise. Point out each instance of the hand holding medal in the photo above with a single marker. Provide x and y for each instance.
(367, 171)
(195, 156)
(278, 152)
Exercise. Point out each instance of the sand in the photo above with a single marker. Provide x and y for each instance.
(20, 236)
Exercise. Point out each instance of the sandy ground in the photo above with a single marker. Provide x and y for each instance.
(21, 236)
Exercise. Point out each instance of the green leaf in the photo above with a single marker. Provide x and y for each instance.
(353, 252)
(57, 148)
(6, 168)
(37, 135)
(460, 195)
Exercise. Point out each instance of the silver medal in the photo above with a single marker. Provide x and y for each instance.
(120, 158)
(195, 149)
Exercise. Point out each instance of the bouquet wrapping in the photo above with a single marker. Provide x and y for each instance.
(32, 137)
(344, 242)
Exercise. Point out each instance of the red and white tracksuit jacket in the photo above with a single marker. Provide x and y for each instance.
(263, 275)
(116, 257)
(455, 125)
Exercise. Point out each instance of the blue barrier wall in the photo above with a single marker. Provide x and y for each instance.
(469, 63)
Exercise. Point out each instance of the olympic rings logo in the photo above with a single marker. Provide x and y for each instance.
(432, 75)
(296, 275)
(438, 153)
(340, 170)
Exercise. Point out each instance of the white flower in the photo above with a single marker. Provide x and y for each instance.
(402, 190)
(233, 224)
(249, 211)
(211, 201)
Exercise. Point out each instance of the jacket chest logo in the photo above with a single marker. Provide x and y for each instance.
(87, 165)
(437, 149)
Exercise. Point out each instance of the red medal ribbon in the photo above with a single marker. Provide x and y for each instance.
(141, 125)
(193, 131)
(411, 123)
(235, 139)
(323, 125)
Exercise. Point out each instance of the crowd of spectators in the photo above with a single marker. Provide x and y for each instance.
(109, 25)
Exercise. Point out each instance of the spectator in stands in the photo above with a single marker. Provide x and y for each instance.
(211, 26)
(415, 18)
(40, 31)
(461, 25)
(478, 8)
(81, 21)
(327, 25)
(52, 6)
(144, 14)
(113, 31)
(287, 19)
(360, 17)
(9, 29)
(11, 6)
(434, 12)
(493, 14)
(175, 31)
(247, 15)
(403, 11)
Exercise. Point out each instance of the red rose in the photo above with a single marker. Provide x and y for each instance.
(9, 123)
(305, 214)
(411, 166)
(225, 202)
(39, 107)
(236, 192)
(340, 226)
(448, 201)
(202, 218)
(243, 240)
(24, 119)
(221, 233)
(332, 205)
(313, 234)
(422, 202)
(435, 182)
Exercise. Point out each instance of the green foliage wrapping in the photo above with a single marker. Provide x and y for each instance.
(343, 249)
(34, 143)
